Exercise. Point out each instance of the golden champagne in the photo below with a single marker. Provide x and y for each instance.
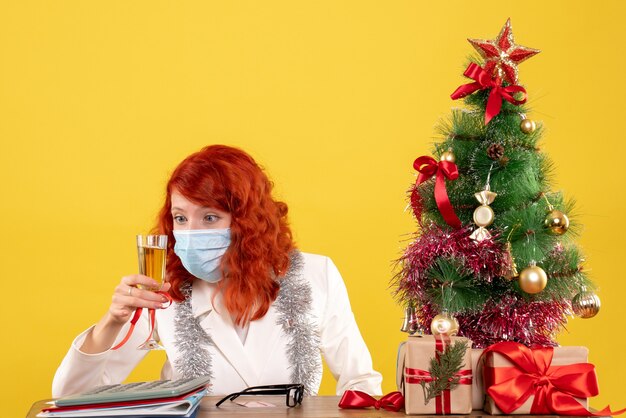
(152, 262)
(151, 254)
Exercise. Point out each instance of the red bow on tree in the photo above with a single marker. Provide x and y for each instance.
(498, 92)
(353, 399)
(554, 387)
(427, 167)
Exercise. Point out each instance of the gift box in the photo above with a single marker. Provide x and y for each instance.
(520, 380)
(414, 364)
(478, 390)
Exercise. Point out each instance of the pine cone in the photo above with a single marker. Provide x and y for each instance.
(495, 151)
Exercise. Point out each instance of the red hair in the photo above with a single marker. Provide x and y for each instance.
(228, 179)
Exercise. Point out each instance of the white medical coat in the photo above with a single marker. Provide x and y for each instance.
(260, 360)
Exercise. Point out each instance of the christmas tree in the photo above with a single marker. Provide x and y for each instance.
(494, 258)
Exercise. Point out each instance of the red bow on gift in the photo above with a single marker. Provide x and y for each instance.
(353, 399)
(498, 92)
(554, 387)
(427, 167)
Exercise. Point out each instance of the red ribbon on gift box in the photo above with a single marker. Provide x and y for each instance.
(497, 93)
(428, 167)
(355, 399)
(554, 387)
(443, 402)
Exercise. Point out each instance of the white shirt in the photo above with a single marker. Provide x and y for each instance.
(260, 358)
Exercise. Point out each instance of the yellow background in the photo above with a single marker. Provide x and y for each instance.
(100, 100)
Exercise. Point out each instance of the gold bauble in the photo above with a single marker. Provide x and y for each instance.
(586, 304)
(528, 126)
(444, 323)
(533, 279)
(557, 222)
(447, 156)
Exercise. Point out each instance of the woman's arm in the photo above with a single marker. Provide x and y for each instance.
(343, 347)
(89, 361)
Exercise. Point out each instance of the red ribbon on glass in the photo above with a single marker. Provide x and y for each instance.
(443, 402)
(355, 399)
(427, 167)
(498, 92)
(553, 387)
(135, 318)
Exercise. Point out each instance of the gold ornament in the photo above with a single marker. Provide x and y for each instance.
(512, 272)
(533, 279)
(528, 126)
(444, 323)
(556, 222)
(410, 324)
(447, 156)
(483, 215)
(586, 304)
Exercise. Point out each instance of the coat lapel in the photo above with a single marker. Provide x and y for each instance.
(217, 323)
(261, 343)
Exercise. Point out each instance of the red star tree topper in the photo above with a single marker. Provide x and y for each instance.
(502, 55)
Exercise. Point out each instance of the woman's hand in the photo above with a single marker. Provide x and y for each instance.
(127, 297)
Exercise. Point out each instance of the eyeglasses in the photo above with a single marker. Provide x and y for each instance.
(293, 392)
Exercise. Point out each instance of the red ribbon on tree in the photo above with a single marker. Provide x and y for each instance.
(354, 399)
(554, 387)
(498, 92)
(443, 402)
(427, 167)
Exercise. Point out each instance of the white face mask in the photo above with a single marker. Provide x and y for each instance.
(201, 251)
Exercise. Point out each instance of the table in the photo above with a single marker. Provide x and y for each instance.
(315, 406)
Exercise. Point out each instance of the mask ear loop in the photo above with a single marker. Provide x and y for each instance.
(137, 315)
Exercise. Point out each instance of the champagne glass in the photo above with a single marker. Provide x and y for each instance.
(151, 252)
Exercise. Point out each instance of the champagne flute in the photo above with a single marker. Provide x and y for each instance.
(152, 252)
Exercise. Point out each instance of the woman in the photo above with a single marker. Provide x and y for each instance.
(249, 308)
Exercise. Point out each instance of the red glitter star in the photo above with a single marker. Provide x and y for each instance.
(502, 55)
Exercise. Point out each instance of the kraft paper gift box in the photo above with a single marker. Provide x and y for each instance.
(478, 390)
(414, 358)
(562, 356)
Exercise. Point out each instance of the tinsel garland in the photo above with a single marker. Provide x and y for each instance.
(294, 316)
(486, 259)
(509, 318)
(294, 307)
(191, 340)
(505, 316)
